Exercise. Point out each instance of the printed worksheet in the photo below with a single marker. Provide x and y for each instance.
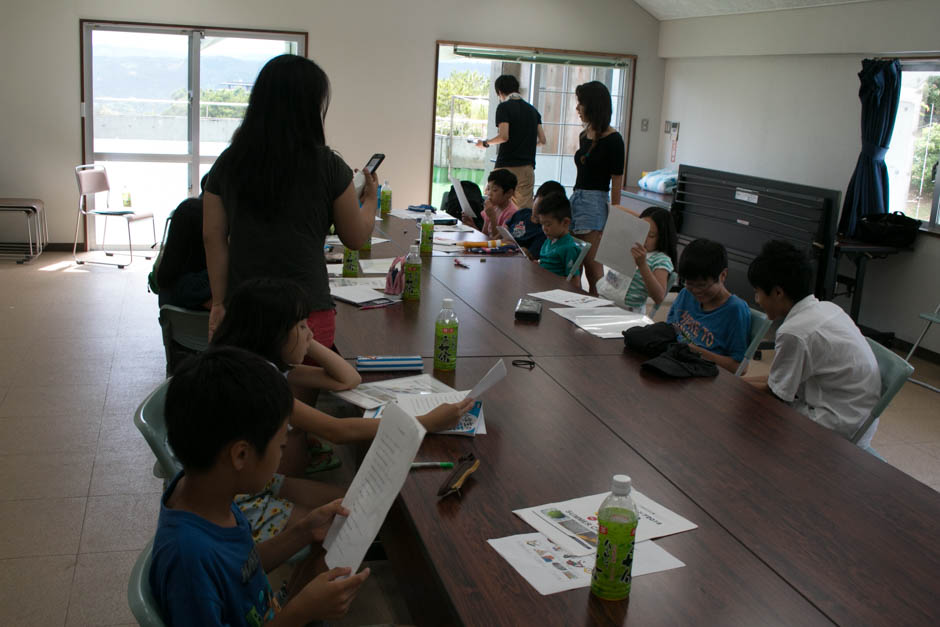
(375, 266)
(603, 322)
(377, 393)
(471, 423)
(571, 299)
(373, 490)
(621, 232)
(573, 524)
(375, 282)
(549, 569)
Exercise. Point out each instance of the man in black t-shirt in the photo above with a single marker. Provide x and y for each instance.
(520, 131)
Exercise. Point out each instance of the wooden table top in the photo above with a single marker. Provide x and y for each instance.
(796, 525)
(854, 535)
(543, 446)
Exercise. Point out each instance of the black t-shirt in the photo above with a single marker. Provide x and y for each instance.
(184, 251)
(523, 122)
(604, 161)
(290, 245)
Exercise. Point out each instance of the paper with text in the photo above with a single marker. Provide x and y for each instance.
(574, 523)
(467, 422)
(375, 282)
(549, 569)
(355, 294)
(375, 266)
(571, 299)
(621, 232)
(377, 393)
(373, 490)
(603, 322)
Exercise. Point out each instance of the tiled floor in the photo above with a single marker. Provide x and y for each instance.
(79, 349)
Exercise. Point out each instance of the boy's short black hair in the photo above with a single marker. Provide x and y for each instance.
(504, 178)
(506, 84)
(555, 206)
(220, 396)
(703, 259)
(783, 265)
(549, 187)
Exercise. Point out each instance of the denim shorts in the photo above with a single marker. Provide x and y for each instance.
(588, 210)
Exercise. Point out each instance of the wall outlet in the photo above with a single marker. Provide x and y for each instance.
(667, 127)
(644, 125)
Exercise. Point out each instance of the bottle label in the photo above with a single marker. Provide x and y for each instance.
(351, 263)
(427, 239)
(613, 568)
(445, 347)
(126, 199)
(412, 289)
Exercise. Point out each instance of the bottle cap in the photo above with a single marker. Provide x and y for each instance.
(448, 303)
(414, 248)
(427, 212)
(620, 485)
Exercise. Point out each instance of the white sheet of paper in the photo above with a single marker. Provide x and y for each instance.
(549, 570)
(656, 521)
(506, 236)
(373, 490)
(571, 299)
(452, 228)
(465, 209)
(334, 269)
(375, 282)
(621, 232)
(375, 266)
(420, 404)
(355, 294)
(604, 322)
(377, 393)
(334, 239)
(495, 374)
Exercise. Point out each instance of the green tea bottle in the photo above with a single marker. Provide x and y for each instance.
(445, 337)
(427, 234)
(412, 289)
(350, 262)
(616, 533)
(386, 198)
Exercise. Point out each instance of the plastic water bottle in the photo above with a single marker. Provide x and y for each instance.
(445, 337)
(412, 289)
(125, 196)
(427, 234)
(616, 532)
(386, 198)
(350, 262)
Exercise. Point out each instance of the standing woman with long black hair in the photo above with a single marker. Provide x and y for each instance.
(274, 192)
(599, 159)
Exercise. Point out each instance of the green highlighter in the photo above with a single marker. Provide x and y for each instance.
(432, 465)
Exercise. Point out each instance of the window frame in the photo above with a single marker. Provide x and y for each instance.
(578, 58)
(925, 64)
(196, 33)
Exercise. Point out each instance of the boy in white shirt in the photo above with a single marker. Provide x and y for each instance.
(822, 365)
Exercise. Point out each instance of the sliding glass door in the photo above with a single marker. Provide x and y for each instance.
(149, 92)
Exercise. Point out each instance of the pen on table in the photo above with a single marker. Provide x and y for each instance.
(460, 264)
(432, 465)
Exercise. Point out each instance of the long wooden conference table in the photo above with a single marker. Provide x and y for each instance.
(796, 526)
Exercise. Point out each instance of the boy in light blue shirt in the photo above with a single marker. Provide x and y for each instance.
(559, 251)
(712, 320)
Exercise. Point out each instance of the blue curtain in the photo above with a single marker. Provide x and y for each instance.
(879, 92)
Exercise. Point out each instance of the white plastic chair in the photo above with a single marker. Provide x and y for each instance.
(930, 318)
(93, 179)
(186, 327)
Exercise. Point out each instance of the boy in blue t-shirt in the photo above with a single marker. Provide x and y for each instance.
(524, 224)
(559, 251)
(226, 416)
(712, 320)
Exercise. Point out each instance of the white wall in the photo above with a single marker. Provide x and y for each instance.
(749, 99)
(379, 56)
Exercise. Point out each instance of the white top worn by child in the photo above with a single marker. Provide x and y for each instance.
(654, 262)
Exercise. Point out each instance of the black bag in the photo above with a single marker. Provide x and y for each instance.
(650, 340)
(474, 198)
(888, 229)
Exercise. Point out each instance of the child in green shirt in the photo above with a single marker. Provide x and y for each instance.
(560, 251)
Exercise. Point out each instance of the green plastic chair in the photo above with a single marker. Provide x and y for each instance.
(186, 327)
(931, 318)
(894, 373)
(150, 422)
(576, 268)
(139, 595)
(670, 283)
(760, 323)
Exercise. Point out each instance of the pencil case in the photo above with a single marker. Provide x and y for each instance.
(389, 362)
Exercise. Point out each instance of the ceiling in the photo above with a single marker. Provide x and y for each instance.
(678, 9)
